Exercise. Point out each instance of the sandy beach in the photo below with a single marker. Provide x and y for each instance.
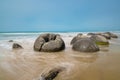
(27, 64)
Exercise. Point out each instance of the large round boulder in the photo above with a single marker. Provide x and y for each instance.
(85, 45)
(49, 43)
(99, 40)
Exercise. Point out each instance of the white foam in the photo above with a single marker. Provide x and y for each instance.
(5, 45)
(30, 37)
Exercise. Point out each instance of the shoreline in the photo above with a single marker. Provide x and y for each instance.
(26, 64)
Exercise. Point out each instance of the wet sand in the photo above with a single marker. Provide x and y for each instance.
(26, 64)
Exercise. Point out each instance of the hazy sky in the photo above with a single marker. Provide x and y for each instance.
(59, 15)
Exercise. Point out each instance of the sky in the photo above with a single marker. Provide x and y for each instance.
(59, 15)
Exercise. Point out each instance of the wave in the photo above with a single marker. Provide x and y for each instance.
(8, 36)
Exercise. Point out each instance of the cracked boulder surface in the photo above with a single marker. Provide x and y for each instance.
(49, 43)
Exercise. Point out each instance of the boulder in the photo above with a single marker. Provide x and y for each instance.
(16, 46)
(85, 45)
(49, 43)
(98, 33)
(51, 74)
(75, 39)
(91, 34)
(99, 40)
(111, 34)
(10, 41)
(107, 36)
(40, 41)
(79, 36)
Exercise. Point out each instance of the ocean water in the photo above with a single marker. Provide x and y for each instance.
(26, 64)
(23, 35)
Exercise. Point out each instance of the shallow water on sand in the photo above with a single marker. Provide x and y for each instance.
(26, 64)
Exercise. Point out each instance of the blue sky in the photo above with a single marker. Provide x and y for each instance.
(59, 15)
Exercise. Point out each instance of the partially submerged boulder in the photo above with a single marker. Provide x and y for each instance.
(51, 74)
(111, 34)
(91, 34)
(85, 45)
(79, 34)
(107, 36)
(49, 43)
(16, 46)
(78, 37)
(10, 41)
(99, 40)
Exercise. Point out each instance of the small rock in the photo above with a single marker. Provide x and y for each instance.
(51, 74)
(91, 34)
(16, 46)
(79, 34)
(10, 41)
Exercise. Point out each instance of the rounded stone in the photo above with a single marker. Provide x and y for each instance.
(16, 46)
(99, 40)
(49, 43)
(85, 45)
